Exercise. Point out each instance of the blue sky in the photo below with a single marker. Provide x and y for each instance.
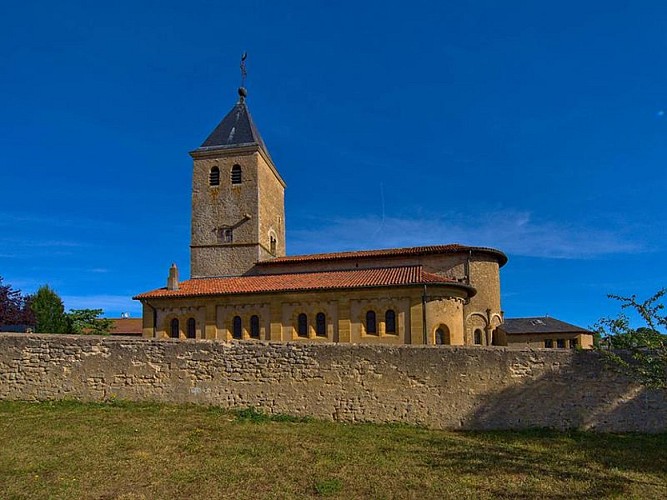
(534, 127)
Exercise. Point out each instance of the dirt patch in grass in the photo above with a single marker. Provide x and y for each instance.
(136, 451)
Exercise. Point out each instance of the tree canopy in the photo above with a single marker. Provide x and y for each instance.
(49, 311)
(639, 352)
(14, 307)
(88, 321)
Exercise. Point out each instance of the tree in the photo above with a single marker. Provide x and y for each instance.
(14, 307)
(49, 311)
(88, 321)
(639, 352)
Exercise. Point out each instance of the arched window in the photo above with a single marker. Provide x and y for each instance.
(174, 328)
(254, 326)
(302, 325)
(390, 321)
(478, 337)
(237, 328)
(214, 177)
(371, 324)
(321, 325)
(237, 178)
(191, 328)
(273, 244)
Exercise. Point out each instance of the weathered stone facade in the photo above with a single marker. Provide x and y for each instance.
(251, 210)
(439, 387)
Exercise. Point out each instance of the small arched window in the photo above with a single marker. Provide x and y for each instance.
(237, 177)
(174, 328)
(302, 325)
(390, 321)
(191, 328)
(371, 324)
(478, 337)
(214, 177)
(237, 328)
(254, 326)
(321, 325)
(273, 244)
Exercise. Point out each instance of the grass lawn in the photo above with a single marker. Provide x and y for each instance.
(132, 451)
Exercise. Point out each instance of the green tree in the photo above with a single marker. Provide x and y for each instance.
(88, 321)
(49, 311)
(639, 352)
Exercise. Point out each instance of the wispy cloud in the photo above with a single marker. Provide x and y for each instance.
(514, 232)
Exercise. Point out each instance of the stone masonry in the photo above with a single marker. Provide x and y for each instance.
(436, 386)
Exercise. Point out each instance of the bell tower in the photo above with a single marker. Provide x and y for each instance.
(238, 207)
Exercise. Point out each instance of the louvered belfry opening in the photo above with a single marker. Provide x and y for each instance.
(236, 174)
(214, 177)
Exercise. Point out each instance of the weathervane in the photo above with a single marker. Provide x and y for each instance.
(244, 73)
(242, 91)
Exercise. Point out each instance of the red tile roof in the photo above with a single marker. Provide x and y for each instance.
(357, 278)
(388, 252)
(126, 326)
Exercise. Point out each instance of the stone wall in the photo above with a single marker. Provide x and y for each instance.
(435, 386)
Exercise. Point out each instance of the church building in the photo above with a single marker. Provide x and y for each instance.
(243, 285)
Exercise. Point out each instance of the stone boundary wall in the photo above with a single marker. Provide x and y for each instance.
(435, 386)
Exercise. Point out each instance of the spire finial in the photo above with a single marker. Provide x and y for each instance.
(242, 90)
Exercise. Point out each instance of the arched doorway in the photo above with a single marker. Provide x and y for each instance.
(442, 335)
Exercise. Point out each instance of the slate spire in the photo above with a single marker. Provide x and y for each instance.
(237, 129)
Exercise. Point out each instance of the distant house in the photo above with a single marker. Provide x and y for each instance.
(128, 327)
(543, 332)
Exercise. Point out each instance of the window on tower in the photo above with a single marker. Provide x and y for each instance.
(225, 235)
(214, 177)
(237, 176)
(273, 245)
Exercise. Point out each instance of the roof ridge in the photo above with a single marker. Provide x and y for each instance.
(384, 252)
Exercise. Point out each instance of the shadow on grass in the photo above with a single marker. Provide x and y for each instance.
(598, 463)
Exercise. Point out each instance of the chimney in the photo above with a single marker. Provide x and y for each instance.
(172, 281)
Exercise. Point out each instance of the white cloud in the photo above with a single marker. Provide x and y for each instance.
(513, 232)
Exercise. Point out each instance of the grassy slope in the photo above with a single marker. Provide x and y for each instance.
(70, 450)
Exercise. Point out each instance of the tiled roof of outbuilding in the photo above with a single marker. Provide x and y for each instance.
(292, 282)
(126, 326)
(539, 325)
(388, 252)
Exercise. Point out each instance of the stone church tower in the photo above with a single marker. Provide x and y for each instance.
(238, 209)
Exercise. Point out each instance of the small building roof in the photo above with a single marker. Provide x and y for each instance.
(387, 252)
(237, 129)
(126, 326)
(293, 282)
(545, 324)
